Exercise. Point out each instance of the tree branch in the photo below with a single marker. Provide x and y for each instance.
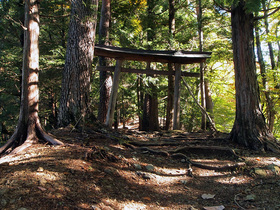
(201, 108)
(267, 15)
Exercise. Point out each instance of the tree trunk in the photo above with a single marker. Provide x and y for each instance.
(171, 67)
(75, 93)
(270, 47)
(202, 85)
(249, 127)
(209, 103)
(140, 100)
(29, 129)
(170, 99)
(150, 111)
(269, 97)
(105, 79)
(269, 103)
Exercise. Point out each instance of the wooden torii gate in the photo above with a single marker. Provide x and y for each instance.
(122, 54)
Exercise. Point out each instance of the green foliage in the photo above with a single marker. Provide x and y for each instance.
(130, 26)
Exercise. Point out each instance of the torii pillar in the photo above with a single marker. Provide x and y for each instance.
(114, 94)
(176, 105)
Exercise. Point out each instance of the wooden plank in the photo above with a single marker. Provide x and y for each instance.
(183, 57)
(114, 93)
(176, 116)
(146, 71)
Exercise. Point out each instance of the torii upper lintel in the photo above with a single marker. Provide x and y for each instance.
(176, 57)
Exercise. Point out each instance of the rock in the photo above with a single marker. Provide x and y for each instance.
(146, 176)
(183, 160)
(184, 181)
(192, 208)
(207, 196)
(3, 202)
(274, 168)
(22, 208)
(138, 173)
(251, 197)
(260, 172)
(40, 169)
(137, 166)
(150, 167)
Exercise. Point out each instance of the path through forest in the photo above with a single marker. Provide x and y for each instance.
(98, 169)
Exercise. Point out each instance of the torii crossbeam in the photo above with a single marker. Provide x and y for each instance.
(122, 54)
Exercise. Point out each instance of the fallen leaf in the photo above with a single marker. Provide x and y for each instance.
(147, 198)
(42, 188)
(214, 207)
(207, 196)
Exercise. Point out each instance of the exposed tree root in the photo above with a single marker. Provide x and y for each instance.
(271, 146)
(207, 149)
(209, 167)
(145, 144)
(158, 152)
(24, 138)
(178, 154)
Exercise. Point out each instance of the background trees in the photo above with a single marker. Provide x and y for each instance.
(29, 128)
(76, 80)
(129, 29)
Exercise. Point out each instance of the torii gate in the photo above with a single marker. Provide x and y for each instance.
(122, 54)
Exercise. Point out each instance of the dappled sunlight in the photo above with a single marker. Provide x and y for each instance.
(264, 160)
(232, 180)
(46, 176)
(125, 205)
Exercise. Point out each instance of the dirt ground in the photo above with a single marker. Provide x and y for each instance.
(98, 169)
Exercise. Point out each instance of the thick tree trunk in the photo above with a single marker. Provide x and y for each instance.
(105, 79)
(29, 129)
(75, 93)
(150, 114)
(249, 127)
(150, 111)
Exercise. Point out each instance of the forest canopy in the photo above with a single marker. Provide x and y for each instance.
(131, 26)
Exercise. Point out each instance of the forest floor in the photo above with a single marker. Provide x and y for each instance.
(98, 169)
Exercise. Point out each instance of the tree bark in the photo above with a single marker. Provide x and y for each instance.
(150, 111)
(105, 79)
(171, 67)
(170, 99)
(209, 103)
(249, 127)
(29, 129)
(269, 97)
(75, 93)
(202, 82)
(270, 111)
